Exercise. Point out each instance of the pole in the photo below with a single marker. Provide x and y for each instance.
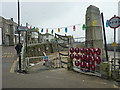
(38, 37)
(114, 48)
(19, 34)
(104, 37)
(26, 37)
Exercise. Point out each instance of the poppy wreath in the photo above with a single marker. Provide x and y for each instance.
(72, 50)
(83, 64)
(88, 58)
(98, 51)
(98, 60)
(77, 56)
(82, 50)
(88, 65)
(93, 67)
(71, 56)
(77, 63)
(92, 59)
(88, 50)
(77, 50)
(92, 51)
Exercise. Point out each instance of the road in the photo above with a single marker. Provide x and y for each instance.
(56, 78)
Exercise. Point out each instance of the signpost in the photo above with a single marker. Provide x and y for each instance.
(114, 23)
(45, 59)
(22, 28)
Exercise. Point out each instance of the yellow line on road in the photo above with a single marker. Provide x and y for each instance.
(4, 56)
(114, 86)
(13, 66)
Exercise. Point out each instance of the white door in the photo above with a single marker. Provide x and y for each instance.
(0, 36)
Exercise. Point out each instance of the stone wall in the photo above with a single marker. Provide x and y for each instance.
(37, 50)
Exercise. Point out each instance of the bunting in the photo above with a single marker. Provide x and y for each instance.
(107, 23)
(66, 29)
(33, 28)
(74, 28)
(46, 30)
(52, 31)
(42, 30)
(58, 29)
(30, 27)
(37, 29)
(83, 27)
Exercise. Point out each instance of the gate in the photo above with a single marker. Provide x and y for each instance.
(63, 44)
(115, 68)
(42, 64)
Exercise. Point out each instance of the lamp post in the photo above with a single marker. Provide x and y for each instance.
(19, 35)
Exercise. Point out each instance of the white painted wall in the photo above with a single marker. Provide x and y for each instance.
(0, 36)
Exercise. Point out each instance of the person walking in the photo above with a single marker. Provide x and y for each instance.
(18, 48)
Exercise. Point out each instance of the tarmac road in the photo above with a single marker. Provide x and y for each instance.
(56, 78)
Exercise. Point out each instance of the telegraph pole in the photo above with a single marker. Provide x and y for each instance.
(19, 35)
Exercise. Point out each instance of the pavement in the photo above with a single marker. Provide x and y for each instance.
(54, 78)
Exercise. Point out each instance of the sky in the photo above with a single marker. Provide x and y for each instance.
(55, 14)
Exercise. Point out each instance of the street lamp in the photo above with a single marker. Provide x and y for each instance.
(19, 35)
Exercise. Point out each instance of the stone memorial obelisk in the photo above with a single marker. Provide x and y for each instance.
(94, 37)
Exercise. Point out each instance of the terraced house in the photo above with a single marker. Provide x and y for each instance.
(7, 32)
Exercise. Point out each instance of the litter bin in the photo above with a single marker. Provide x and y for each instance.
(105, 70)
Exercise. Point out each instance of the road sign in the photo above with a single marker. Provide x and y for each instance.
(114, 44)
(114, 22)
(45, 58)
(22, 28)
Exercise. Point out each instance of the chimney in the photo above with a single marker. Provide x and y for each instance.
(12, 19)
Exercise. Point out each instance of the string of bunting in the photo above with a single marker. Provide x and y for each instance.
(94, 23)
(58, 29)
(61, 28)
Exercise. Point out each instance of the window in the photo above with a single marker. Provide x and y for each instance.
(46, 36)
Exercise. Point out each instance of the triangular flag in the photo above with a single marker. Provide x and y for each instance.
(37, 29)
(58, 29)
(42, 30)
(30, 27)
(74, 28)
(46, 30)
(33, 28)
(107, 23)
(52, 31)
(83, 27)
(66, 30)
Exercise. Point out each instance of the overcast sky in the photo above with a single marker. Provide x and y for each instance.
(58, 14)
